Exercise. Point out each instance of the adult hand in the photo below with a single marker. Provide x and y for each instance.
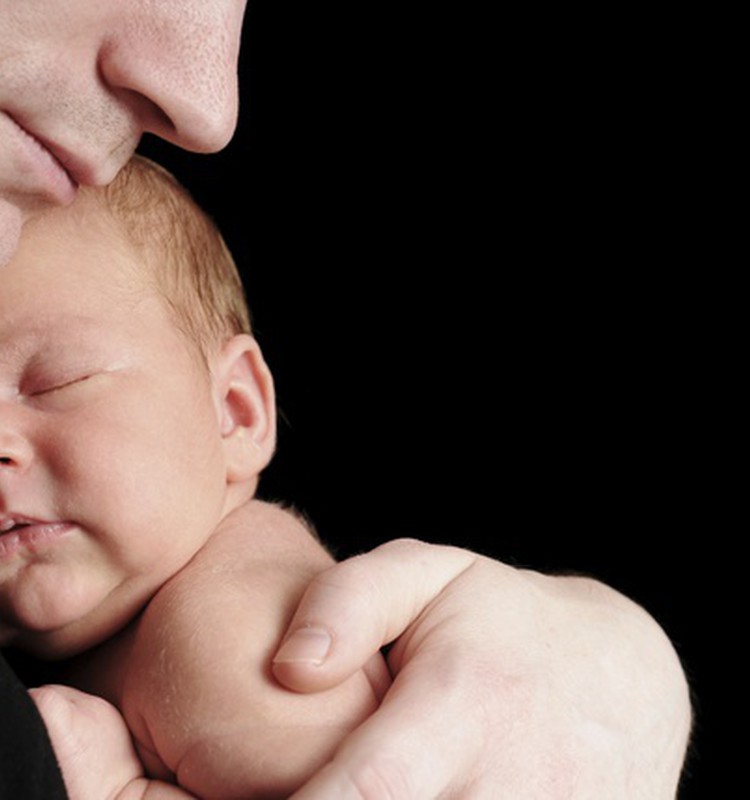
(508, 683)
(94, 749)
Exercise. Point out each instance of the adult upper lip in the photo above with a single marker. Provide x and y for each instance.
(81, 171)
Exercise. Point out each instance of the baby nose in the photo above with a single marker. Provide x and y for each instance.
(9, 461)
(15, 451)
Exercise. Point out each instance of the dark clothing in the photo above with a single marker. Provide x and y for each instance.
(28, 769)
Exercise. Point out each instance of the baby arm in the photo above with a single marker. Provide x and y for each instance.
(196, 687)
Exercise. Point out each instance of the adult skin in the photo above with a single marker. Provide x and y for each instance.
(496, 669)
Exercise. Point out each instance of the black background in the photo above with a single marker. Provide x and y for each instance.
(464, 242)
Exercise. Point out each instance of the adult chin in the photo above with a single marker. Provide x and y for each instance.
(11, 220)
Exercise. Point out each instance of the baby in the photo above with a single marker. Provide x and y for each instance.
(136, 414)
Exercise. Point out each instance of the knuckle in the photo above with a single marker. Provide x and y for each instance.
(351, 579)
(410, 548)
(404, 546)
(382, 777)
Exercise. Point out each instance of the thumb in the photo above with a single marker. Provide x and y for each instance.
(352, 609)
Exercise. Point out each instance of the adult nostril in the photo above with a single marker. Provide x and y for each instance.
(5, 460)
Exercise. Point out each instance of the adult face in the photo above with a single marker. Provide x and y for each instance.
(81, 81)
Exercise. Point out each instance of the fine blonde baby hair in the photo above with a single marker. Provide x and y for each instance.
(189, 262)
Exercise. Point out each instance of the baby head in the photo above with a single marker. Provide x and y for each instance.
(136, 410)
(182, 251)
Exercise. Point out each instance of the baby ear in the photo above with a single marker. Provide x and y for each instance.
(246, 406)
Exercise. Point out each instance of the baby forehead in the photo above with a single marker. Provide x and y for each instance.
(87, 236)
(90, 219)
(60, 328)
(72, 276)
(54, 335)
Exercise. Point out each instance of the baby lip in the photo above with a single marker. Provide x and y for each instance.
(9, 523)
(23, 534)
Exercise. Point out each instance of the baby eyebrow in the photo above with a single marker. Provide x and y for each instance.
(72, 329)
(12, 352)
(37, 347)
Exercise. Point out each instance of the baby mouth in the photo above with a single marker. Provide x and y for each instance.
(19, 534)
(12, 524)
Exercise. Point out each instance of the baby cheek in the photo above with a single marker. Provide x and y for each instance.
(10, 230)
(172, 493)
(77, 458)
(143, 474)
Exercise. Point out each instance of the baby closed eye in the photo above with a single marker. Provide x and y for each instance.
(58, 387)
(58, 384)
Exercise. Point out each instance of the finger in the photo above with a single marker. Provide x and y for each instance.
(90, 739)
(354, 608)
(387, 757)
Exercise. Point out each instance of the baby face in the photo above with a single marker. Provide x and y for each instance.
(111, 466)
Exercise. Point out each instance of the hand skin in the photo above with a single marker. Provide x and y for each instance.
(93, 746)
(508, 684)
(192, 676)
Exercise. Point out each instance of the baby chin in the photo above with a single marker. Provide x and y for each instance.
(51, 613)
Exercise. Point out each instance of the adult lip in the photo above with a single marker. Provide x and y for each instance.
(81, 172)
(97, 167)
(40, 160)
(75, 170)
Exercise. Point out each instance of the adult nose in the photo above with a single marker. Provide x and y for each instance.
(174, 63)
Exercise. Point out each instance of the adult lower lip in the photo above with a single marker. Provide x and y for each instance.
(31, 538)
(38, 170)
